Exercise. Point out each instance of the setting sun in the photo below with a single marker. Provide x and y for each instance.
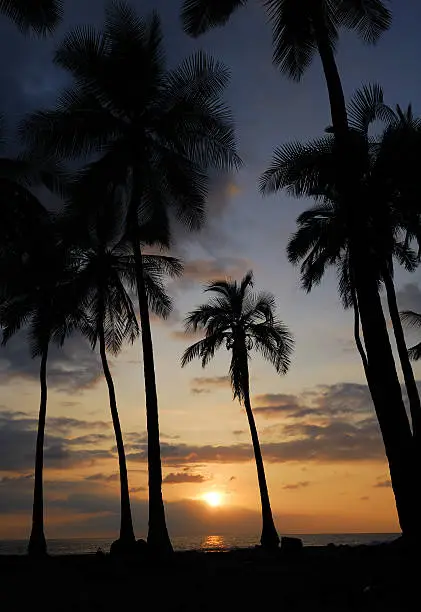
(213, 498)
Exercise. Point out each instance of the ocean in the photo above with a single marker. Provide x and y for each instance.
(208, 543)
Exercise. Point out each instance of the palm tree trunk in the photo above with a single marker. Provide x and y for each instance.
(127, 536)
(332, 76)
(388, 402)
(37, 544)
(357, 336)
(158, 538)
(269, 538)
(408, 374)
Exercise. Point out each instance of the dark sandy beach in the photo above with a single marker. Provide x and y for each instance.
(329, 578)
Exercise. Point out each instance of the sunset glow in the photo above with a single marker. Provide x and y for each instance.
(213, 498)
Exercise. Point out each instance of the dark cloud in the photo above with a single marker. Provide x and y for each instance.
(276, 404)
(329, 401)
(72, 368)
(297, 485)
(383, 484)
(239, 432)
(197, 391)
(184, 478)
(336, 441)
(100, 477)
(61, 450)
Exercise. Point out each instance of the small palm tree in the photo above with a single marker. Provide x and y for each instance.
(241, 321)
(40, 16)
(104, 284)
(155, 133)
(37, 295)
(367, 237)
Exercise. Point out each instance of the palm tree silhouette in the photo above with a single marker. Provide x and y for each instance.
(330, 234)
(41, 16)
(241, 321)
(104, 284)
(37, 296)
(157, 132)
(300, 30)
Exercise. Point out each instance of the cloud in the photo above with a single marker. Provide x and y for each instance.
(297, 485)
(338, 441)
(61, 450)
(276, 404)
(72, 368)
(184, 478)
(239, 432)
(103, 477)
(383, 484)
(212, 381)
(137, 489)
(197, 391)
(339, 400)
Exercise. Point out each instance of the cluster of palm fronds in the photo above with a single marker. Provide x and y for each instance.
(145, 138)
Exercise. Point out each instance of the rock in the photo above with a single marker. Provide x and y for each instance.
(123, 548)
(291, 545)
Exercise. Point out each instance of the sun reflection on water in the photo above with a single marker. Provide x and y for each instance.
(213, 543)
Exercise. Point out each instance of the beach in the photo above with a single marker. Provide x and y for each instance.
(376, 577)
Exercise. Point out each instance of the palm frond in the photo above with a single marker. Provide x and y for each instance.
(366, 106)
(411, 318)
(370, 18)
(40, 17)
(198, 16)
(415, 352)
(294, 44)
(301, 169)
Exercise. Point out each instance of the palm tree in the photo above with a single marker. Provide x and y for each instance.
(300, 30)
(241, 320)
(371, 232)
(105, 276)
(41, 16)
(155, 133)
(37, 296)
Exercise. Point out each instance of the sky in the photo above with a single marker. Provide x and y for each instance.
(323, 453)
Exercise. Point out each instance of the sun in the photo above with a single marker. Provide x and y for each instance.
(213, 498)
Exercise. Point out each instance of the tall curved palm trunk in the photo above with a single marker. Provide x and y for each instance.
(37, 544)
(269, 538)
(408, 373)
(384, 383)
(387, 398)
(127, 536)
(158, 538)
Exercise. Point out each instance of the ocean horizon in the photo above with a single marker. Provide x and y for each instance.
(205, 543)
